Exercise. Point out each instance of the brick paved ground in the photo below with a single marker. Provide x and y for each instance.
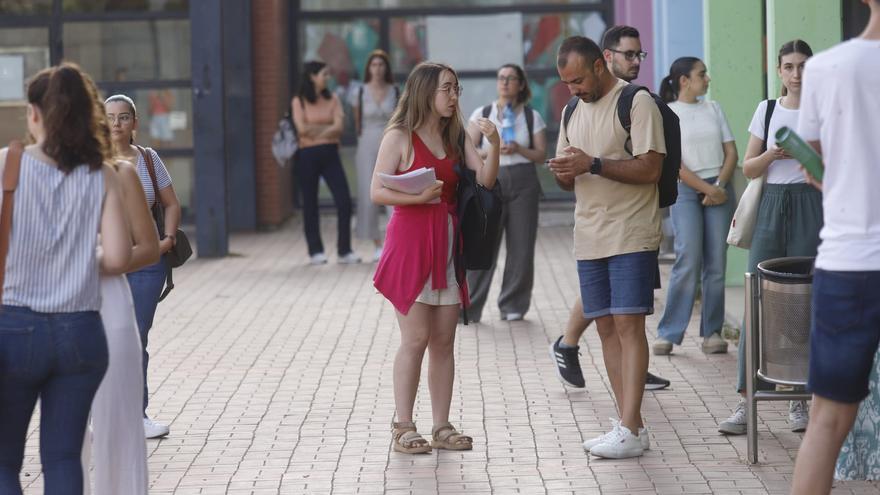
(276, 378)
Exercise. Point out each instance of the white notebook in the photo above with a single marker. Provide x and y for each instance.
(411, 182)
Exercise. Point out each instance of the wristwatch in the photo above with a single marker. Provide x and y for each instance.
(720, 184)
(596, 166)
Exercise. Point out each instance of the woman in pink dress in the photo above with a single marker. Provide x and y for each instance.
(417, 271)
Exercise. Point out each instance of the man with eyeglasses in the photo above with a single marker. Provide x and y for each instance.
(623, 53)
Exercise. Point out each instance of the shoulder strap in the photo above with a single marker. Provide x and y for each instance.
(486, 111)
(10, 183)
(151, 168)
(361, 106)
(625, 103)
(768, 113)
(396, 94)
(530, 124)
(567, 111)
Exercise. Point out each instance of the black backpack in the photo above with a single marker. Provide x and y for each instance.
(530, 123)
(479, 217)
(668, 185)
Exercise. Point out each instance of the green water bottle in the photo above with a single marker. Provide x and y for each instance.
(789, 140)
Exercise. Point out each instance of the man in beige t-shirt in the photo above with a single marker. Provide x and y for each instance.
(617, 223)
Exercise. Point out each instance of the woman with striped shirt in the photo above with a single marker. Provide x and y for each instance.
(147, 283)
(52, 344)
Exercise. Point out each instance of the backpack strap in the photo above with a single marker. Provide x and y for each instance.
(530, 124)
(768, 114)
(566, 113)
(361, 107)
(10, 183)
(624, 110)
(486, 111)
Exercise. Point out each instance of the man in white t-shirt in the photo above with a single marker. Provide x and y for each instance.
(839, 117)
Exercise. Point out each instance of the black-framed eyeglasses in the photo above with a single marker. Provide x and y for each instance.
(508, 79)
(631, 54)
(452, 90)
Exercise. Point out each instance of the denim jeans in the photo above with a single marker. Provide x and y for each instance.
(618, 285)
(146, 286)
(700, 256)
(844, 334)
(312, 163)
(59, 358)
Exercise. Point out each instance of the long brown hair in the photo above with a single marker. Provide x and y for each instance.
(380, 54)
(417, 102)
(73, 117)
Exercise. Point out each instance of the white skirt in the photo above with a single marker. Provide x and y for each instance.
(119, 449)
(450, 295)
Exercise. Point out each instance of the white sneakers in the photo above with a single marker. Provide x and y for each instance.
(318, 259)
(153, 429)
(377, 254)
(737, 423)
(349, 259)
(617, 443)
(798, 415)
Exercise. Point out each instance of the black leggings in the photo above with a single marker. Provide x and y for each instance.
(311, 164)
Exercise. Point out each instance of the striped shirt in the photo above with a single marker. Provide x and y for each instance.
(162, 177)
(52, 265)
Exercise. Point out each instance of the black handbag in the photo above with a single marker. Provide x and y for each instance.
(182, 250)
(479, 219)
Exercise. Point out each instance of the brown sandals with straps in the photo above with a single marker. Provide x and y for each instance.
(407, 440)
(445, 436)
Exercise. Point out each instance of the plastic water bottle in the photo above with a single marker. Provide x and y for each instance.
(508, 133)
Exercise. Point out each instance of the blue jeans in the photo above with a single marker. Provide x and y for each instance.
(146, 286)
(59, 358)
(844, 334)
(618, 285)
(700, 256)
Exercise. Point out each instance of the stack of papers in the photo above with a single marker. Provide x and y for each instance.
(411, 182)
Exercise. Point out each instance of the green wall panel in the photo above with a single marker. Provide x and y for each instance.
(818, 22)
(734, 53)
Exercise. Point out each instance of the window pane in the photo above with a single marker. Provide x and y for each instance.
(543, 33)
(408, 43)
(393, 4)
(25, 6)
(125, 5)
(343, 45)
(23, 53)
(164, 118)
(130, 50)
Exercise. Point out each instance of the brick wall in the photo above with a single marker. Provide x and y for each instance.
(271, 97)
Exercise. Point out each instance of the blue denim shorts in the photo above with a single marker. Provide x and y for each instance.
(845, 333)
(618, 285)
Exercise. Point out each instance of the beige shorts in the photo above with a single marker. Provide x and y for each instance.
(449, 295)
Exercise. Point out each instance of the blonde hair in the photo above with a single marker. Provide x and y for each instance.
(417, 103)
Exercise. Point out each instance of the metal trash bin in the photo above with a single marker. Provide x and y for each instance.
(777, 334)
(786, 288)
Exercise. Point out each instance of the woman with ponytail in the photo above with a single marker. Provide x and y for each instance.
(52, 342)
(790, 212)
(701, 215)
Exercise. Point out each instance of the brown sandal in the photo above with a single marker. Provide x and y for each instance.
(445, 436)
(407, 440)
